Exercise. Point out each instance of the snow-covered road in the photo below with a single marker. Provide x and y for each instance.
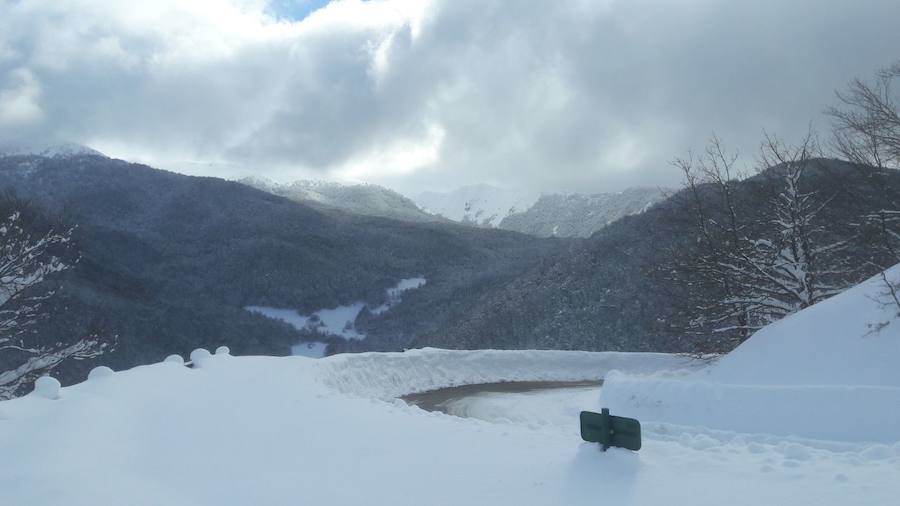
(533, 404)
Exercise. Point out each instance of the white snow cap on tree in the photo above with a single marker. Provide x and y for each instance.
(174, 359)
(47, 387)
(199, 356)
(100, 372)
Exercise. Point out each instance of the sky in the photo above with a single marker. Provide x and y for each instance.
(574, 95)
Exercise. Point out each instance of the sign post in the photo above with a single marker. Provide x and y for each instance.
(610, 430)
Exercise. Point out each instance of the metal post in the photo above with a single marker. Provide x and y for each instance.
(606, 431)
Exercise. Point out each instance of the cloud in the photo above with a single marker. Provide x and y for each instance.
(19, 99)
(578, 95)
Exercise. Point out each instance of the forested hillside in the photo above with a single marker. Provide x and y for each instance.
(621, 289)
(167, 262)
(579, 215)
(364, 199)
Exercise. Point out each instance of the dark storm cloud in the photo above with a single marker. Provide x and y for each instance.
(579, 95)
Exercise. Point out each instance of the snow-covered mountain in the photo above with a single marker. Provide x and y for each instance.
(481, 205)
(364, 199)
(579, 215)
(50, 150)
(548, 215)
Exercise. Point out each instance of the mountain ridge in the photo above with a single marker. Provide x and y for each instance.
(168, 261)
(364, 199)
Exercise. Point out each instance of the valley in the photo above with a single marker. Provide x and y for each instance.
(449, 253)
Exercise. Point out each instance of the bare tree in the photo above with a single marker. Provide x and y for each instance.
(758, 267)
(719, 232)
(799, 266)
(866, 126)
(25, 262)
(866, 130)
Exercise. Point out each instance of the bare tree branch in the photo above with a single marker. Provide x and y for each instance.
(25, 262)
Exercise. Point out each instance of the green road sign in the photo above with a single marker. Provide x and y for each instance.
(610, 430)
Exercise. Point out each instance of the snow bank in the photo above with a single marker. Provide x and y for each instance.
(309, 349)
(388, 375)
(831, 371)
(843, 413)
(850, 339)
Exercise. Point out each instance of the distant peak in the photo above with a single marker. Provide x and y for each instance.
(49, 150)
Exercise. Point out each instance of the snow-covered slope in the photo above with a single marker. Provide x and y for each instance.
(831, 371)
(338, 321)
(482, 205)
(365, 199)
(578, 215)
(265, 430)
(549, 215)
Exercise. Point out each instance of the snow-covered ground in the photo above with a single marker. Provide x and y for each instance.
(265, 430)
(338, 321)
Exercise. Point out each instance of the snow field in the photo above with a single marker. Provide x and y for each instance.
(338, 321)
(266, 430)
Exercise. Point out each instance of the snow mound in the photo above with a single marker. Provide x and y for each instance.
(100, 372)
(47, 387)
(199, 357)
(829, 372)
(174, 359)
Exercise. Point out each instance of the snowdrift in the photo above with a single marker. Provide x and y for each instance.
(831, 371)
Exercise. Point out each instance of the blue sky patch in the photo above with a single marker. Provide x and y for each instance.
(295, 10)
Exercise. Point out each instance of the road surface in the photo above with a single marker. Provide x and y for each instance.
(531, 403)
